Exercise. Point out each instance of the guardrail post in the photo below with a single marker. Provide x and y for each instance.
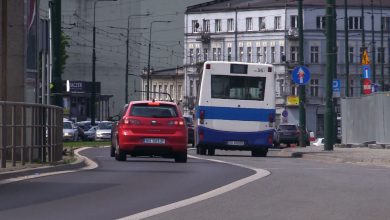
(4, 136)
(23, 136)
(13, 135)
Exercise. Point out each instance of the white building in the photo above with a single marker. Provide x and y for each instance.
(266, 31)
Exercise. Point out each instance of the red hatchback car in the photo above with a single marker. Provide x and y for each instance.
(151, 128)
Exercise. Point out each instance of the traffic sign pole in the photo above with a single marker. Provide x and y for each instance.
(302, 89)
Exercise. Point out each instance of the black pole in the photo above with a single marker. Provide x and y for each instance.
(302, 88)
(56, 33)
(127, 63)
(363, 43)
(93, 92)
(148, 73)
(346, 36)
(330, 53)
(382, 50)
(373, 43)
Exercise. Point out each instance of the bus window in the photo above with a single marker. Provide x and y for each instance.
(237, 87)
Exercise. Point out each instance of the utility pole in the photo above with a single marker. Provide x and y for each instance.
(56, 33)
(302, 88)
(346, 36)
(373, 43)
(330, 51)
(4, 36)
(127, 63)
(382, 50)
(363, 42)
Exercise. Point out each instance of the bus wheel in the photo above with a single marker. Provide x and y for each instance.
(202, 150)
(211, 151)
(259, 153)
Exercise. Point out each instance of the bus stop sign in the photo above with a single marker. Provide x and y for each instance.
(301, 75)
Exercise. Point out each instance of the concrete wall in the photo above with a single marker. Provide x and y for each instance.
(366, 119)
(15, 51)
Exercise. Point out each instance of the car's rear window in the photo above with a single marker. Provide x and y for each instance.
(151, 111)
(67, 125)
(288, 127)
(105, 125)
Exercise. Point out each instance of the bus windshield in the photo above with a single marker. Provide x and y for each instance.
(237, 87)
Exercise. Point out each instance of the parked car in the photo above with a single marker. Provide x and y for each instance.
(319, 142)
(90, 135)
(69, 131)
(151, 128)
(288, 134)
(103, 131)
(190, 129)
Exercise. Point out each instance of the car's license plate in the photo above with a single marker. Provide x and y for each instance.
(236, 143)
(154, 141)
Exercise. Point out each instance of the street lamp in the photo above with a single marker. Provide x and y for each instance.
(93, 92)
(150, 44)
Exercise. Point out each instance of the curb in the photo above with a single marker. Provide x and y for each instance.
(78, 164)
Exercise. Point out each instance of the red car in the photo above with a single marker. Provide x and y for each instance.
(151, 128)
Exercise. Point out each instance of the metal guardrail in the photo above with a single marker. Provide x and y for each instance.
(30, 133)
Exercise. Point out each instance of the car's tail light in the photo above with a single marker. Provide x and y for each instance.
(201, 135)
(130, 121)
(270, 139)
(201, 116)
(176, 122)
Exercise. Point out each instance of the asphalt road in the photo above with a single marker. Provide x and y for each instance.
(114, 189)
(297, 189)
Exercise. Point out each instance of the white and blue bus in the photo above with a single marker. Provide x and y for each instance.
(235, 108)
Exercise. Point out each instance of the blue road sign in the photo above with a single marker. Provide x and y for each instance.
(366, 71)
(301, 75)
(336, 85)
(285, 113)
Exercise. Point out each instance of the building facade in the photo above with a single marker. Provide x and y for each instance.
(267, 32)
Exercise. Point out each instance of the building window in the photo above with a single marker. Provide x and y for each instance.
(249, 54)
(314, 86)
(218, 25)
(264, 54)
(191, 56)
(321, 22)
(258, 54)
(197, 59)
(355, 23)
(282, 56)
(273, 54)
(386, 23)
(154, 91)
(294, 21)
(195, 26)
(191, 88)
(314, 54)
(205, 54)
(261, 23)
(381, 55)
(171, 90)
(249, 26)
(166, 92)
(179, 92)
(241, 57)
(294, 54)
(206, 25)
(214, 54)
(351, 55)
(277, 23)
(230, 24)
(281, 87)
(229, 54)
(159, 92)
(294, 89)
(219, 55)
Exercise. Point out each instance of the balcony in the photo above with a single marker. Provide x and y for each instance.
(293, 34)
(204, 37)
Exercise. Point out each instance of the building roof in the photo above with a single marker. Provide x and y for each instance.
(230, 5)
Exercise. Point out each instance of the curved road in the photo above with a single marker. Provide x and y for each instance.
(114, 189)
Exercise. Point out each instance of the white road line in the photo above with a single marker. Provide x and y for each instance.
(90, 164)
(260, 173)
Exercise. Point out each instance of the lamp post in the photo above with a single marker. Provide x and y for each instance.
(150, 45)
(93, 92)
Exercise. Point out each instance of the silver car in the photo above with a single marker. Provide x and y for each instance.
(69, 131)
(103, 131)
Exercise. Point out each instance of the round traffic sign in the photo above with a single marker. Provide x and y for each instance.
(285, 113)
(301, 75)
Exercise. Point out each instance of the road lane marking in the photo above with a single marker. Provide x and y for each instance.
(90, 165)
(260, 173)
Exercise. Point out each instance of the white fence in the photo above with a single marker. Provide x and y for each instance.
(366, 119)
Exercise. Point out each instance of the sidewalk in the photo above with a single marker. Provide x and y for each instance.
(361, 155)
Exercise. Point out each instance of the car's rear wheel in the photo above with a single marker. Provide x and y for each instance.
(112, 151)
(119, 154)
(202, 150)
(181, 158)
(259, 153)
(211, 151)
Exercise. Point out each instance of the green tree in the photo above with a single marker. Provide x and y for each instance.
(64, 44)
